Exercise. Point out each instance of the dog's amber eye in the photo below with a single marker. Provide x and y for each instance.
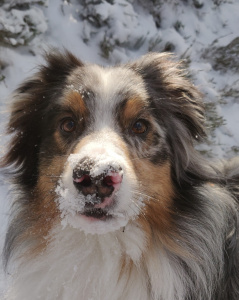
(68, 125)
(139, 127)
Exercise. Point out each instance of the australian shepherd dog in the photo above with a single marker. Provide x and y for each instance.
(111, 199)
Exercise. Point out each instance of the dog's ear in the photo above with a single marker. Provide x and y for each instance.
(178, 105)
(30, 101)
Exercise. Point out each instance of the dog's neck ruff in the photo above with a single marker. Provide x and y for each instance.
(97, 267)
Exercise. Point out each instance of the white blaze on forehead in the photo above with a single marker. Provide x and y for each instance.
(109, 83)
(108, 88)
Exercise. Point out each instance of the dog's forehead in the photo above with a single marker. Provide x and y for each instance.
(109, 85)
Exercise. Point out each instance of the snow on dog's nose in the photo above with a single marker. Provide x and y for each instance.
(97, 182)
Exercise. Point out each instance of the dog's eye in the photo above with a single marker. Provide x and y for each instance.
(68, 125)
(139, 127)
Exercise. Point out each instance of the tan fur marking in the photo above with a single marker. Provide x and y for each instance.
(156, 217)
(132, 109)
(157, 186)
(76, 103)
(43, 211)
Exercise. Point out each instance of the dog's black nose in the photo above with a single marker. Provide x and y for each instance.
(96, 180)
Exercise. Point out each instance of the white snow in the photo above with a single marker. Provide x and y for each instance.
(127, 30)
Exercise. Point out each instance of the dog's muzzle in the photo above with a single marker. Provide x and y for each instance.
(98, 182)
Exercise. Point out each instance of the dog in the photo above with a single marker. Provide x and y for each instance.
(112, 201)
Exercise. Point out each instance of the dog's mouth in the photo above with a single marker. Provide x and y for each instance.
(97, 213)
(97, 208)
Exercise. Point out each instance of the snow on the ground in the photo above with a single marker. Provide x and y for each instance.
(203, 33)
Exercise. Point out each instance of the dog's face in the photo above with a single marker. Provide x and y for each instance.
(103, 139)
(104, 143)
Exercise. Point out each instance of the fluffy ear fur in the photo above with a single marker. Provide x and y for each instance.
(30, 100)
(178, 107)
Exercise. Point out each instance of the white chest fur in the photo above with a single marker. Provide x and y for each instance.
(85, 267)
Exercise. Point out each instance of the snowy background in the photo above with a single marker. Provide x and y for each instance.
(204, 33)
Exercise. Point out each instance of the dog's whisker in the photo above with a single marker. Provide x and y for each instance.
(150, 197)
(138, 158)
(140, 210)
(53, 176)
(53, 156)
(133, 209)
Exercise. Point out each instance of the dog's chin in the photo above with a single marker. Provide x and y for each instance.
(96, 221)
